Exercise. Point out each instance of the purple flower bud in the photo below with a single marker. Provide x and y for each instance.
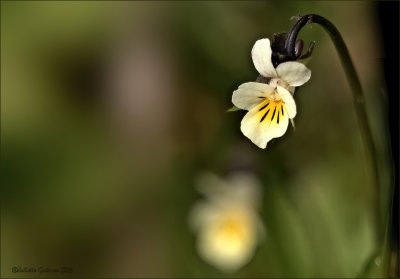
(298, 48)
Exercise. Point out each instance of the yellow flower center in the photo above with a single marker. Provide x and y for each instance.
(232, 235)
(271, 110)
(231, 230)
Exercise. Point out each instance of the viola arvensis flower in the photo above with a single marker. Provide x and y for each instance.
(226, 222)
(270, 105)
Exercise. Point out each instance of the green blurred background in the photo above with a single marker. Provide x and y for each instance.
(111, 110)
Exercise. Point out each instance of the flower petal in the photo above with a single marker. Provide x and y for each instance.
(287, 98)
(250, 94)
(261, 54)
(201, 215)
(294, 73)
(229, 242)
(266, 121)
(258, 86)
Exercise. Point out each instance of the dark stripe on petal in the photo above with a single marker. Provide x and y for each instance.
(273, 115)
(262, 118)
(261, 97)
(277, 120)
(263, 107)
(282, 110)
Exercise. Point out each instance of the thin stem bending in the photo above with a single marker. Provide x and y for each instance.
(358, 99)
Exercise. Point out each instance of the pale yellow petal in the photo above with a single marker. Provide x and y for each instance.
(261, 54)
(250, 94)
(287, 98)
(264, 122)
(257, 86)
(229, 242)
(293, 73)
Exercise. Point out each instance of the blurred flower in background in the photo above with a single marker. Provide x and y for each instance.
(227, 223)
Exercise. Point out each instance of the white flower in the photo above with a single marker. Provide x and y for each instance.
(227, 224)
(270, 105)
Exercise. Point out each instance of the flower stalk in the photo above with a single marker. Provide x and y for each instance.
(358, 99)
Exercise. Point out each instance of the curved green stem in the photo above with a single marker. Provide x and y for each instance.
(358, 99)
